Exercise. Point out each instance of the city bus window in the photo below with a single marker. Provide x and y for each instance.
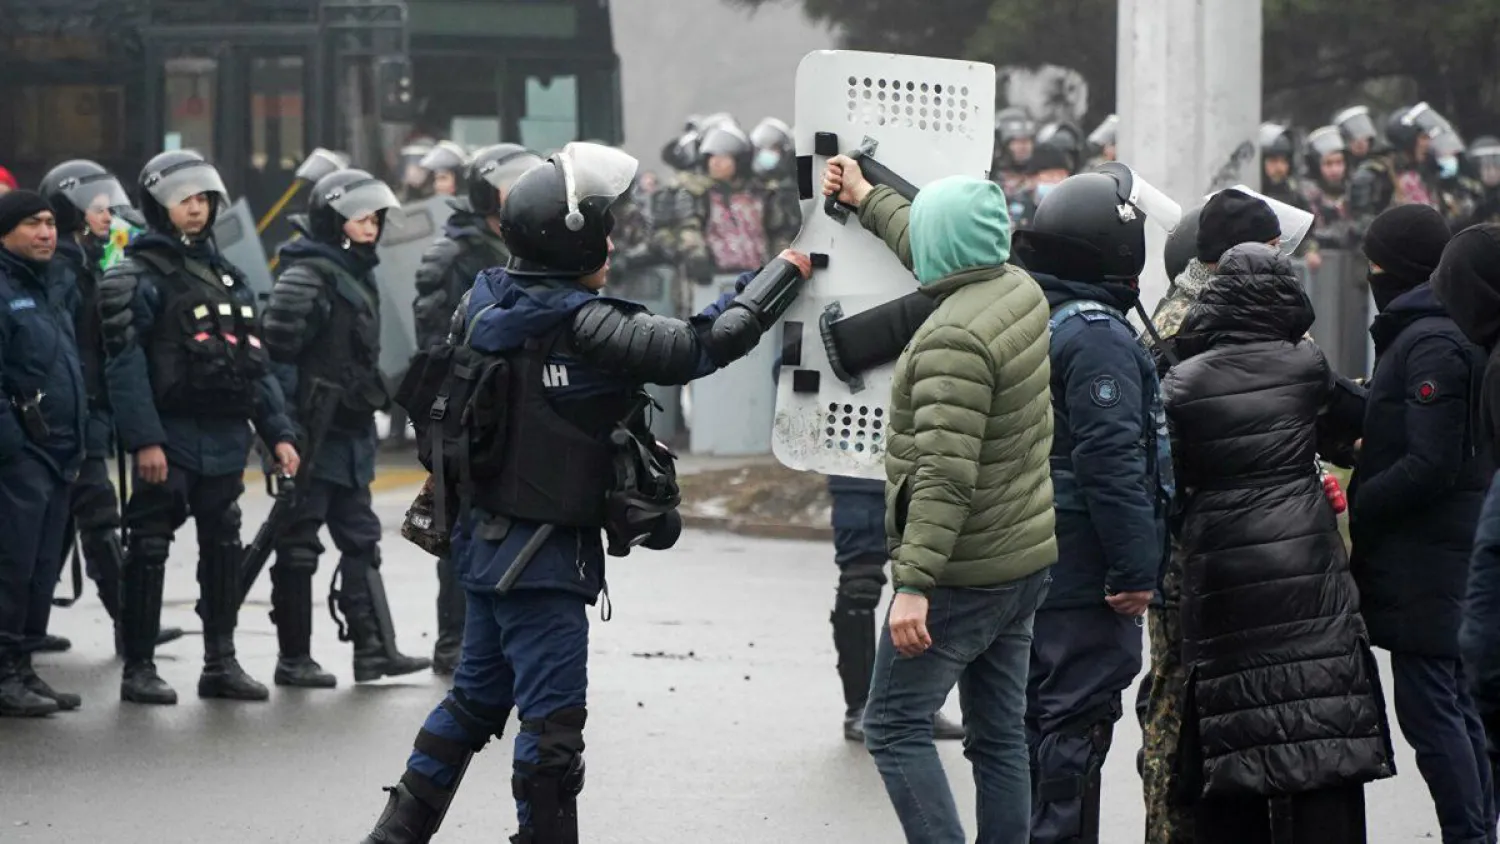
(551, 112)
(191, 86)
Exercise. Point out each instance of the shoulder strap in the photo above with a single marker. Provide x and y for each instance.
(345, 279)
(474, 321)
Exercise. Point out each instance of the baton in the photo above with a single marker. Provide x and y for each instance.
(518, 566)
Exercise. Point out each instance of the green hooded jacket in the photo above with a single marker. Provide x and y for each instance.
(969, 488)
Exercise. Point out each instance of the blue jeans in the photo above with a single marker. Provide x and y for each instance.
(1438, 717)
(981, 640)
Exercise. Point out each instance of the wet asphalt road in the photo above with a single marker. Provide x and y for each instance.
(714, 717)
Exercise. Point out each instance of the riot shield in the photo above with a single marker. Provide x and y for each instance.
(234, 232)
(409, 231)
(921, 119)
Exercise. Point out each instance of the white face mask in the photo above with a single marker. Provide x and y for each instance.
(767, 160)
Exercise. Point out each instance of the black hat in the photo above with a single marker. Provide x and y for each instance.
(1467, 282)
(1407, 242)
(1048, 156)
(1233, 217)
(16, 206)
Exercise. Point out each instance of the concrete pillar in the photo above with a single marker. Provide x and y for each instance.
(1189, 87)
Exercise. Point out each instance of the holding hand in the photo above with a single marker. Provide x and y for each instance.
(151, 464)
(844, 181)
(1131, 604)
(287, 459)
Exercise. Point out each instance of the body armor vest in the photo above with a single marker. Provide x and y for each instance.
(205, 355)
(347, 351)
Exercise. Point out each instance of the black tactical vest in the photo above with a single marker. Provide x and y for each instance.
(347, 351)
(205, 354)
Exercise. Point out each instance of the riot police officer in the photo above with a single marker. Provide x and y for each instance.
(471, 243)
(1360, 135)
(82, 195)
(562, 373)
(776, 164)
(446, 162)
(1111, 477)
(1276, 153)
(1396, 177)
(1326, 188)
(1484, 157)
(323, 321)
(1015, 140)
(1102, 141)
(187, 372)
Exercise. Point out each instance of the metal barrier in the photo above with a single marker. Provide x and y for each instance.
(1341, 299)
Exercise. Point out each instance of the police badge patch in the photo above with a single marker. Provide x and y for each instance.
(1105, 391)
(1427, 392)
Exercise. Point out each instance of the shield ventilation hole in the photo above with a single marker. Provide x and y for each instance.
(857, 428)
(924, 106)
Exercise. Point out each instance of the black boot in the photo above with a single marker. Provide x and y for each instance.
(16, 699)
(361, 598)
(409, 819)
(106, 559)
(219, 607)
(140, 617)
(854, 640)
(291, 611)
(451, 608)
(66, 701)
(48, 644)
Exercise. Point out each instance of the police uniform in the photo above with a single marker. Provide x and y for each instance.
(323, 322)
(562, 369)
(187, 372)
(468, 247)
(41, 448)
(1112, 483)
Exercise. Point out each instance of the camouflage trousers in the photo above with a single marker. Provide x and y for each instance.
(1167, 820)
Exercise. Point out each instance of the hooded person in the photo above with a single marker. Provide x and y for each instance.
(1416, 493)
(1276, 652)
(1467, 281)
(969, 516)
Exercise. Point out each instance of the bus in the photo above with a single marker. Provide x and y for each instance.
(256, 85)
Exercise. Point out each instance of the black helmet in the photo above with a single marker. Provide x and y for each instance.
(725, 139)
(1276, 141)
(345, 195)
(173, 176)
(1092, 227)
(445, 155)
(1355, 124)
(72, 187)
(1401, 129)
(556, 219)
(1012, 123)
(319, 163)
(1182, 243)
(493, 170)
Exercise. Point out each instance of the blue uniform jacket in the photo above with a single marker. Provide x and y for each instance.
(207, 445)
(1106, 450)
(572, 560)
(38, 354)
(858, 518)
(344, 458)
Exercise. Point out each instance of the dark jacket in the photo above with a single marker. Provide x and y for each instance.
(448, 269)
(296, 318)
(82, 270)
(1281, 678)
(38, 355)
(506, 312)
(858, 518)
(131, 303)
(1111, 531)
(1420, 480)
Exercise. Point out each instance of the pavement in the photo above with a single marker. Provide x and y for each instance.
(714, 717)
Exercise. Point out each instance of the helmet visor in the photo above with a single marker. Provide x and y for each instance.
(503, 173)
(321, 163)
(190, 178)
(1486, 160)
(771, 133)
(593, 170)
(1270, 133)
(724, 139)
(1424, 117)
(1446, 142)
(1295, 223)
(445, 156)
(1139, 196)
(1326, 140)
(361, 198)
(1355, 123)
(95, 193)
(1105, 134)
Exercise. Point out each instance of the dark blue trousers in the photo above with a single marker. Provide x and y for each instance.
(34, 506)
(1439, 719)
(528, 651)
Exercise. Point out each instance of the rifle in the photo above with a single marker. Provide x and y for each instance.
(322, 401)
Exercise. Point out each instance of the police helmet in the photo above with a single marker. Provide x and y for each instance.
(1012, 123)
(1401, 129)
(1355, 124)
(1322, 141)
(1182, 243)
(1276, 141)
(492, 171)
(445, 156)
(557, 219)
(1106, 133)
(1092, 227)
(173, 176)
(1484, 155)
(725, 139)
(345, 195)
(74, 187)
(319, 163)
(772, 133)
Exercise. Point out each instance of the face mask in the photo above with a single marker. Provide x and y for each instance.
(1043, 189)
(1447, 167)
(767, 160)
(1384, 288)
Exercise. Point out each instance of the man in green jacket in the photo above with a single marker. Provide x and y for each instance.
(968, 505)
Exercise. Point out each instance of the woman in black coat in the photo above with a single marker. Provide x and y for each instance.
(1284, 715)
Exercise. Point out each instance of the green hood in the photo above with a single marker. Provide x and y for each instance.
(958, 223)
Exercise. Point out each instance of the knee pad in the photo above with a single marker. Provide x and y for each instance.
(860, 585)
(559, 739)
(296, 561)
(551, 785)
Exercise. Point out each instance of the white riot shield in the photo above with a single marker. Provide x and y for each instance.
(239, 243)
(409, 231)
(922, 118)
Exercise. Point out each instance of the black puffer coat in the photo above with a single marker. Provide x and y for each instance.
(1283, 694)
(1421, 478)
